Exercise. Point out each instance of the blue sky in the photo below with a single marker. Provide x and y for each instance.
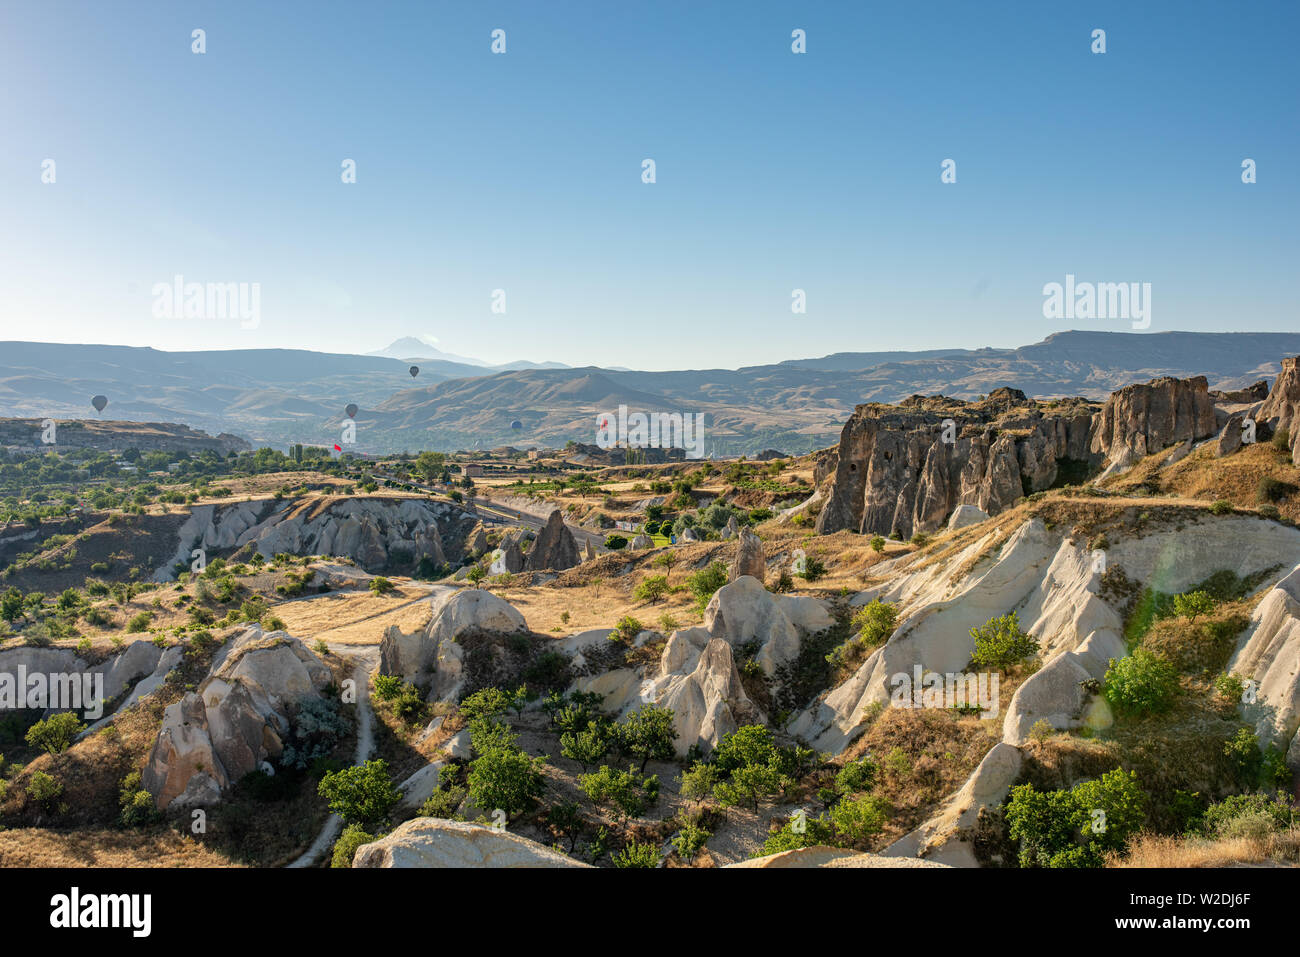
(522, 172)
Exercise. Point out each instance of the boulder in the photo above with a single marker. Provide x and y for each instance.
(731, 530)
(184, 767)
(689, 535)
(643, 541)
(555, 547)
(749, 557)
(1230, 438)
(964, 515)
(435, 842)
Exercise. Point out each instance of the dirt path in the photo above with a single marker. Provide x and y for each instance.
(366, 661)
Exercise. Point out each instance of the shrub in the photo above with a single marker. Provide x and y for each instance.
(139, 622)
(690, 840)
(485, 703)
(637, 854)
(1282, 440)
(877, 543)
(1075, 828)
(381, 585)
(1230, 687)
(856, 819)
(1142, 683)
(615, 542)
(43, 788)
(706, 581)
(651, 589)
(55, 734)
(797, 833)
(625, 791)
(626, 630)
(813, 569)
(1221, 507)
(856, 776)
(1273, 490)
(1220, 817)
(345, 848)
(1000, 643)
(361, 795)
(875, 621)
(1193, 603)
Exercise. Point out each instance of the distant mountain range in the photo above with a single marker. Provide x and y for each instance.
(411, 349)
(280, 396)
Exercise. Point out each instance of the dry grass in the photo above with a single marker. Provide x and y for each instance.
(104, 847)
(1156, 850)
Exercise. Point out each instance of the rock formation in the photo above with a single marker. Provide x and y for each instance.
(1281, 410)
(432, 657)
(749, 557)
(554, 548)
(1268, 653)
(745, 611)
(900, 470)
(370, 531)
(435, 842)
(1146, 417)
(238, 718)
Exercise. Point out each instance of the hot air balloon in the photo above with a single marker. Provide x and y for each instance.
(99, 402)
(415, 371)
(351, 410)
(516, 425)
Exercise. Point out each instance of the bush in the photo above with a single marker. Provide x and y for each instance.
(1142, 683)
(1220, 818)
(1230, 687)
(625, 791)
(43, 788)
(1282, 440)
(615, 542)
(361, 795)
(690, 840)
(999, 643)
(636, 854)
(813, 569)
(706, 581)
(651, 589)
(1221, 507)
(1075, 828)
(381, 585)
(813, 831)
(140, 622)
(877, 543)
(875, 622)
(55, 734)
(345, 848)
(856, 820)
(1193, 603)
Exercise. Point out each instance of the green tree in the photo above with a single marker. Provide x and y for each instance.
(648, 733)
(1192, 604)
(505, 778)
(1141, 683)
(56, 733)
(1000, 643)
(345, 848)
(651, 589)
(875, 622)
(625, 791)
(857, 819)
(361, 795)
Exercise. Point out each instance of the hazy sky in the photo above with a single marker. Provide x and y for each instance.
(523, 172)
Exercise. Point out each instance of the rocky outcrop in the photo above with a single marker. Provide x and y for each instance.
(1146, 417)
(435, 842)
(964, 515)
(749, 558)
(946, 837)
(744, 611)
(236, 721)
(1230, 438)
(1268, 653)
(432, 657)
(904, 469)
(370, 531)
(1281, 410)
(555, 547)
(696, 678)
